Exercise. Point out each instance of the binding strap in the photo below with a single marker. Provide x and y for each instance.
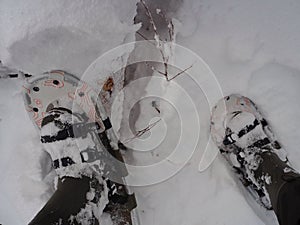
(72, 131)
(87, 156)
(248, 128)
(65, 161)
(76, 130)
(229, 140)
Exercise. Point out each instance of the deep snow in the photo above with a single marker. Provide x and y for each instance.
(252, 47)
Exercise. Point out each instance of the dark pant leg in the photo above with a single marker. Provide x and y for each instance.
(68, 200)
(288, 206)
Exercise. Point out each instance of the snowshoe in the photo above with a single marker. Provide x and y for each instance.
(77, 134)
(245, 139)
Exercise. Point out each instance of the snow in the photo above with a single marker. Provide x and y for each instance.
(24, 184)
(38, 36)
(251, 46)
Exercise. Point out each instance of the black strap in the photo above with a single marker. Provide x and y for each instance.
(89, 155)
(248, 128)
(107, 123)
(65, 161)
(260, 143)
(61, 135)
(228, 139)
(75, 130)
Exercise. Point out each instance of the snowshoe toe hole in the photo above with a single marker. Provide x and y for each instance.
(36, 89)
(55, 82)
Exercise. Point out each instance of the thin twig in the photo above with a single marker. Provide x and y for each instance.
(181, 72)
(141, 132)
(144, 37)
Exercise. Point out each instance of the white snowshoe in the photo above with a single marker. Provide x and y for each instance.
(247, 142)
(77, 134)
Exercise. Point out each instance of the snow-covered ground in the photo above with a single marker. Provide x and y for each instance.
(251, 46)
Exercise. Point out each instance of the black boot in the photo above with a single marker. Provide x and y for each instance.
(81, 163)
(275, 174)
